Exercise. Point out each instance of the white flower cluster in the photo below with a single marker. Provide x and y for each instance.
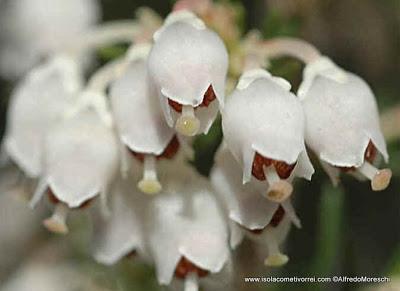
(128, 132)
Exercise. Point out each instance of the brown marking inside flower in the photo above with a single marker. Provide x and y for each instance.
(259, 163)
(275, 221)
(168, 153)
(209, 97)
(54, 200)
(185, 267)
(369, 156)
(132, 254)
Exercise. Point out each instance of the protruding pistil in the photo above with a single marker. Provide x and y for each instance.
(275, 257)
(149, 184)
(279, 190)
(187, 124)
(57, 222)
(380, 179)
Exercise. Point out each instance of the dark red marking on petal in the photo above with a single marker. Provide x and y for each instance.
(175, 105)
(369, 156)
(275, 221)
(209, 97)
(283, 169)
(131, 255)
(168, 153)
(185, 267)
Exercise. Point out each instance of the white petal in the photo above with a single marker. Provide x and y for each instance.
(206, 241)
(266, 118)
(303, 168)
(280, 232)
(341, 119)
(137, 112)
(164, 226)
(38, 103)
(333, 172)
(121, 233)
(186, 60)
(81, 158)
(236, 234)
(290, 212)
(246, 204)
(222, 280)
(185, 220)
(33, 29)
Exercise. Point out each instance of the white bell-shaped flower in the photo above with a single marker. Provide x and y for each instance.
(342, 122)
(140, 122)
(188, 64)
(80, 162)
(37, 103)
(273, 236)
(186, 229)
(33, 29)
(246, 207)
(120, 234)
(263, 126)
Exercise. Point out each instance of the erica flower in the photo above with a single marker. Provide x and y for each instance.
(140, 121)
(188, 64)
(33, 29)
(263, 126)
(37, 103)
(120, 234)
(343, 122)
(187, 233)
(248, 210)
(80, 161)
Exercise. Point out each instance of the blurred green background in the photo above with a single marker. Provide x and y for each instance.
(348, 230)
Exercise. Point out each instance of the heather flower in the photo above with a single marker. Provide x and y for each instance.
(263, 126)
(38, 102)
(120, 234)
(186, 230)
(188, 64)
(342, 123)
(34, 29)
(80, 163)
(140, 121)
(250, 213)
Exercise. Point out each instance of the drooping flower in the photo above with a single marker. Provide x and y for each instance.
(80, 162)
(188, 64)
(34, 29)
(120, 234)
(140, 121)
(39, 102)
(250, 213)
(342, 122)
(263, 126)
(186, 230)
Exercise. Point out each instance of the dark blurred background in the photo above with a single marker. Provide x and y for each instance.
(349, 230)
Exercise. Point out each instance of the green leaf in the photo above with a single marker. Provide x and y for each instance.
(277, 25)
(330, 231)
(205, 147)
(110, 53)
